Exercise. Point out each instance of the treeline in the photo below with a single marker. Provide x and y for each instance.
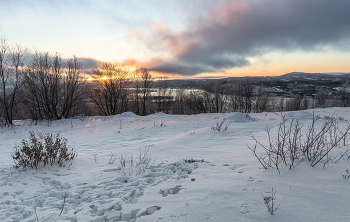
(49, 87)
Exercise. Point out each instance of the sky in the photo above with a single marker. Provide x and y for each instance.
(187, 39)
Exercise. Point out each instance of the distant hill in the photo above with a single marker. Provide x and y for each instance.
(308, 83)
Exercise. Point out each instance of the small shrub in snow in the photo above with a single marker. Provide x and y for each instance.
(291, 144)
(53, 149)
(346, 174)
(221, 126)
(95, 157)
(113, 158)
(284, 150)
(341, 118)
(269, 202)
(128, 166)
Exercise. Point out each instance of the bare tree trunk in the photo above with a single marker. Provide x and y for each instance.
(146, 81)
(42, 83)
(11, 65)
(73, 88)
(247, 89)
(54, 88)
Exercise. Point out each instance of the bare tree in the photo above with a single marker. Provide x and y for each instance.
(53, 86)
(143, 90)
(344, 94)
(219, 98)
(294, 103)
(136, 93)
(234, 96)
(109, 91)
(281, 104)
(42, 86)
(163, 98)
(179, 103)
(261, 99)
(321, 97)
(305, 103)
(11, 67)
(247, 92)
(73, 88)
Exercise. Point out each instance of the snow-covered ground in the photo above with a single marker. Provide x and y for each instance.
(225, 183)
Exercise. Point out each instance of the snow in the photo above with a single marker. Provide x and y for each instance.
(196, 173)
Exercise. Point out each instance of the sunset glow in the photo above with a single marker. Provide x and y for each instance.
(188, 39)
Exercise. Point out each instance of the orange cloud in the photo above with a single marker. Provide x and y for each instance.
(229, 13)
(175, 42)
(135, 35)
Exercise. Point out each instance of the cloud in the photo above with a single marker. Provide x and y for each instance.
(180, 68)
(135, 35)
(228, 35)
(86, 63)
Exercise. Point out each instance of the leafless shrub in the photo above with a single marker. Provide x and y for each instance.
(221, 126)
(285, 149)
(345, 156)
(128, 166)
(346, 174)
(122, 161)
(162, 124)
(95, 157)
(113, 158)
(328, 117)
(291, 145)
(341, 118)
(269, 202)
(321, 140)
(65, 195)
(35, 152)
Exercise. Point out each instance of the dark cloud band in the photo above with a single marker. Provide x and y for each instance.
(239, 29)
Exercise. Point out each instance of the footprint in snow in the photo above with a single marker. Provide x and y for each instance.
(244, 208)
(239, 167)
(173, 190)
(253, 179)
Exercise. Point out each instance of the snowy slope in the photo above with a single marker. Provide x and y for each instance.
(225, 183)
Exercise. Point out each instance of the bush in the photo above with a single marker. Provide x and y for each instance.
(269, 202)
(291, 144)
(128, 166)
(53, 149)
(220, 127)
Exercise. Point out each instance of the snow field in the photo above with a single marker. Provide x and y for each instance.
(226, 186)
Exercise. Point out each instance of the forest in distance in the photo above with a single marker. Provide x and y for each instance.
(49, 87)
